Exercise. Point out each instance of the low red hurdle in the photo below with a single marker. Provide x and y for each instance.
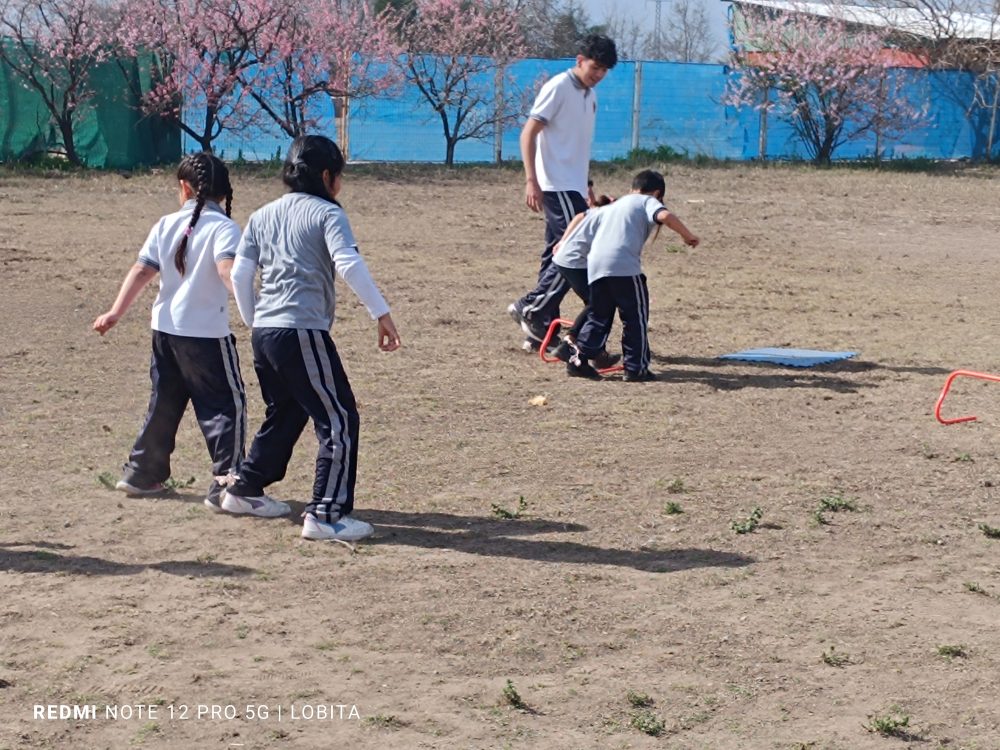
(553, 326)
(947, 387)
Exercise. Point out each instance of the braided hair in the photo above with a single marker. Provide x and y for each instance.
(210, 179)
(308, 157)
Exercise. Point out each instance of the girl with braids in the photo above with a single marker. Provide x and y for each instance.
(194, 352)
(299, 241)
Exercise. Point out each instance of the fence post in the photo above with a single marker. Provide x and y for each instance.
(498, 109)
(341, 111)
(636, 99)
(762, 134)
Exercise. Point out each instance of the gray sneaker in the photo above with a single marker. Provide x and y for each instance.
(213, 504)
(531, 328)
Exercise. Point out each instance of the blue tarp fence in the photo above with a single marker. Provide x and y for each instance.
(642, 105)
(645, 105)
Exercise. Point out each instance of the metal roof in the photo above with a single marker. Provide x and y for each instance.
(920, 22)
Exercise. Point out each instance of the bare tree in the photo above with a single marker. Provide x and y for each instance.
(552, 28)
(954, 35)
(629, 34)
(687, 36)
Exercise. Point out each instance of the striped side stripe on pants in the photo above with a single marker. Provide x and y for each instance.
(541, 304)
(629, 297)
(332, 431)
(301, 377)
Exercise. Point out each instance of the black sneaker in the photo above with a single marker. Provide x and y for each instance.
(604, 360)
(533, 345)
(564, 351)
(582, 370)
(640, 376)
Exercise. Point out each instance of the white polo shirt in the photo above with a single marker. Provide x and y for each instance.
(195, 304)
(568, 110)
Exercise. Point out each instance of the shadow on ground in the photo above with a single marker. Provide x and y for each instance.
(720, 374)
(490, 537)
(42, 560)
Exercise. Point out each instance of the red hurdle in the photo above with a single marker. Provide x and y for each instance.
(947, 386)
(553, 327)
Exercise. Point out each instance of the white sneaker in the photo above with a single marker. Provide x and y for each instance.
(347, 529)
(133, 491)
(264, 506)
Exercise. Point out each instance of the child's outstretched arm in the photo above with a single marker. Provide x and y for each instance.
(671, 221)
(352, 268)
(136, 280)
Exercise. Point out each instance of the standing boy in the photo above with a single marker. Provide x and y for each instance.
(555, 148)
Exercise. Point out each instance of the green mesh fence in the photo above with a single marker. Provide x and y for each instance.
(111, 133)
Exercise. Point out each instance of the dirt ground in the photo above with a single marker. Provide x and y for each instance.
(595, 617)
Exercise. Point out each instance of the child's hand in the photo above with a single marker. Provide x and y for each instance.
(691, 241)
(106, 322)
(388, 338)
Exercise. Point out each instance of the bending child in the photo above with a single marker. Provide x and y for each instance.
(617, 284)
(570, 259)
(194, 352)
(298, 242)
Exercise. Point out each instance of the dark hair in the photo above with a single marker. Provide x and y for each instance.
(603, 200)
(308, 157)
(599, 48)
(210, 179)
(648, 182)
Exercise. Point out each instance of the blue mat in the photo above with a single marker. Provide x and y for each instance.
(790, 357)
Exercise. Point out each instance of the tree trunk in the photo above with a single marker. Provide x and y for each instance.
(449, 156)
(205, 139)
(69, 143)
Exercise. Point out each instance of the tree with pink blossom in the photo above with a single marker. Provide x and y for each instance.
(208, 57)
(456, 52)
(324, 48)
(827, 79)
(53, 47)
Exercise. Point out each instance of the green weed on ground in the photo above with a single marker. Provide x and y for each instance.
(748, 524)
(500, 512)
